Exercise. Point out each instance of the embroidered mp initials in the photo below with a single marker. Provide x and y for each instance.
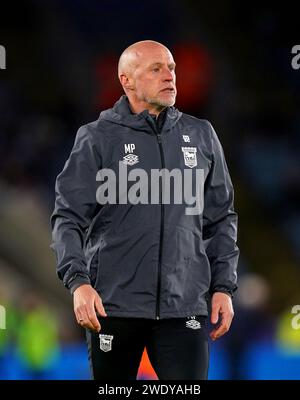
(130, 159)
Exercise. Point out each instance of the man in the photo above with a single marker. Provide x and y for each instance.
(141, 262)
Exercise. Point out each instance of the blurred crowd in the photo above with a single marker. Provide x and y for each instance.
(234, 69)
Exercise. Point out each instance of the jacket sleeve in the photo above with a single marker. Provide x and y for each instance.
(75, 206)
(220, 222)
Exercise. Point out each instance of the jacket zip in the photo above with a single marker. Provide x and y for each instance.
(162, 159)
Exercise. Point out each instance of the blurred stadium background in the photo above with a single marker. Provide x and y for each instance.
(234, 69)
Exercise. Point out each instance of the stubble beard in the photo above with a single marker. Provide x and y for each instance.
(158, 103)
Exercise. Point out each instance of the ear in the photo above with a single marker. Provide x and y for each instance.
(126, 81)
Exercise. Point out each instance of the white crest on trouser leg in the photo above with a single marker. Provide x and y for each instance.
(105, 342)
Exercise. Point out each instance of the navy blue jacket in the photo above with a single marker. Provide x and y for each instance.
(146, 260)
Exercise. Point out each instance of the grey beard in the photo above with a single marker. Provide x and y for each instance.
(159, 103)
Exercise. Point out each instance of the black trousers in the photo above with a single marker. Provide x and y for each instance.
(177, 347)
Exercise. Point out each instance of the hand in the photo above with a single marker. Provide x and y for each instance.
(86, 301)
(221, 304)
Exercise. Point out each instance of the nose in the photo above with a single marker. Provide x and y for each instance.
(168, 75)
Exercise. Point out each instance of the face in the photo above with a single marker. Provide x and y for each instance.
(153, 78)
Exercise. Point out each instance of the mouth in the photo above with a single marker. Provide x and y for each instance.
(168, 90)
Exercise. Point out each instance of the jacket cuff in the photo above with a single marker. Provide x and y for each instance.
(222, 289)
(77, 281)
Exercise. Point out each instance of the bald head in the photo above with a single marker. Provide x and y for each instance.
(137, 52)
(146, 71)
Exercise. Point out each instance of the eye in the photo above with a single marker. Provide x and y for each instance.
(155, 69)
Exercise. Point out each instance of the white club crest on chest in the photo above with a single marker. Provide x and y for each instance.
(190, 156)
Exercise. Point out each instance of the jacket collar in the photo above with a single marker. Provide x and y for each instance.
(122, 114)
